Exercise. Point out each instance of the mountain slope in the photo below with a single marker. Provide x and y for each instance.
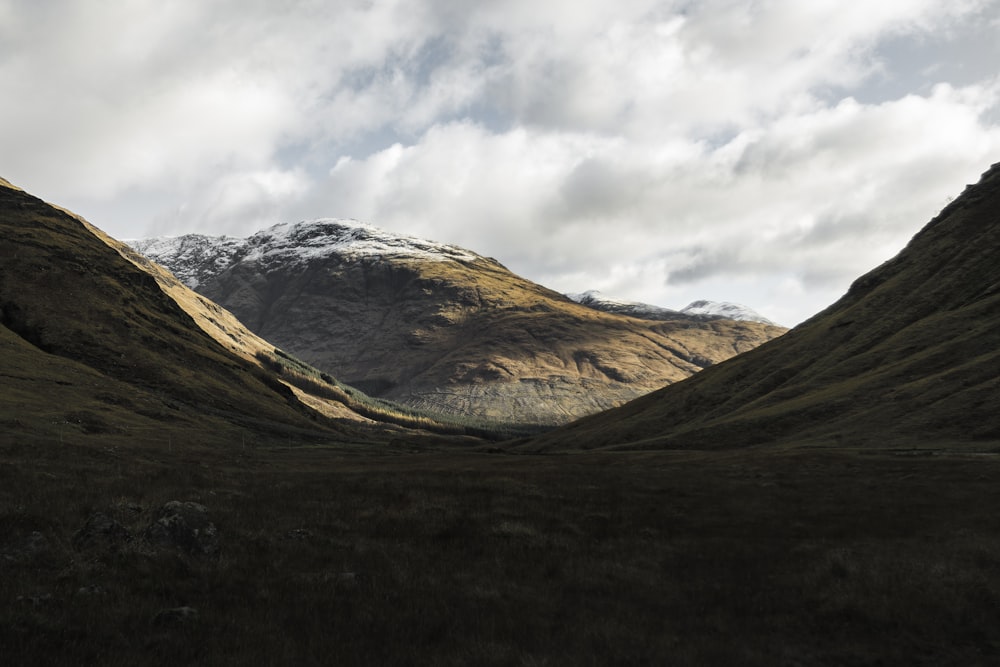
(439, 327)
(97, 339)
(909, 357)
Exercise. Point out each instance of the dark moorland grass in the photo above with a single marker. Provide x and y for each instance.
(350, 555)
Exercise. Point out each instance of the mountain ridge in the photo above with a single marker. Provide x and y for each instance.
(195, 257)
(700, 309)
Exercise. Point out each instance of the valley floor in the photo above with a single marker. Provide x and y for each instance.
(357, 556)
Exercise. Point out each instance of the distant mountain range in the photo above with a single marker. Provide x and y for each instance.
(441, 328)
(700, 309)
(908, 358)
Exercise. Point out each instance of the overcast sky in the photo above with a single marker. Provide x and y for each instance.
(766, 152)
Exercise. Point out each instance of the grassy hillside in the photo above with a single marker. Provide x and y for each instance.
(908, 357)
(125, 346)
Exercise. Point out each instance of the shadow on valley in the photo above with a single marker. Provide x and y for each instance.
(354, 556)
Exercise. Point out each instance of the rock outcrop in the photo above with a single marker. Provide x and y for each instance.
(101, 532)
(184, 526)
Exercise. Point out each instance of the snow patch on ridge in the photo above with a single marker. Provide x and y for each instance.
(727, 309)
(328, 236)
(196, 257)
(700, 309)
(595, 299)
(191, 255)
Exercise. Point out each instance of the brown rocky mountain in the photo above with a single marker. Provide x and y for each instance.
(440, 328)
(98, 340)
(908, 358)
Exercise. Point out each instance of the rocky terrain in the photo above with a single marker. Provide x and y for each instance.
(907, 358)
(441, 328)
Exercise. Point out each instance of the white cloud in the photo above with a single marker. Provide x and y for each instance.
(815, 198)
(654, 149)
(238, 201)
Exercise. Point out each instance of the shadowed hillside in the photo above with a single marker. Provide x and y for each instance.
(909, 357)
(97, 340)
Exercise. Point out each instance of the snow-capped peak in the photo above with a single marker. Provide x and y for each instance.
(195, 257)
(595, 299)
(727, 309)
(326, 236)
(192, 257)
(697, 309)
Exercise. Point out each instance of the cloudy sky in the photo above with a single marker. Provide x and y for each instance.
(760, 151)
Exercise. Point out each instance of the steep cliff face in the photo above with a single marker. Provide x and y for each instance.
(439, 327)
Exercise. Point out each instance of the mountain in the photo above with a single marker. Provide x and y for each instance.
(696, 310)
(909, 357)
(724, 309)
(98, 340)
(438, 327)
